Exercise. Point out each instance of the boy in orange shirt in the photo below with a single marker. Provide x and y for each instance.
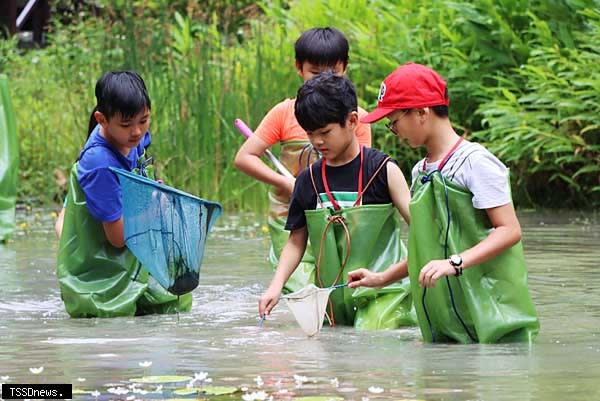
(317, 50)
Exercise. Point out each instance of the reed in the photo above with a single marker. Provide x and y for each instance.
(522, 74)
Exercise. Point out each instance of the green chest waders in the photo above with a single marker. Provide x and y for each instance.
(9, 161)
(295, 156)
(99, 280)
(361, 236)
(488, 303)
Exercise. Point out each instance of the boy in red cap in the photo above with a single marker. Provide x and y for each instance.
(465, 263)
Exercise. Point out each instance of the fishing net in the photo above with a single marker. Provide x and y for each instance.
(166, 230)
(309, 307)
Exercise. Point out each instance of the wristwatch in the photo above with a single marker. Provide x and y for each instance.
(456, 262)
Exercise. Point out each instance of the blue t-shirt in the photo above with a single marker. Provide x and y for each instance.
(100, 185)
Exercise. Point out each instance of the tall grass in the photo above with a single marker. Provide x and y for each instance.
(523, 78)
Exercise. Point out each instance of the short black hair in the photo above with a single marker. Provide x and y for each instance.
(122, 92)
(322, 46)
(442, 111)
(325, 99)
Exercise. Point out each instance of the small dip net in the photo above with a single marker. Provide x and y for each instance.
(309, 307)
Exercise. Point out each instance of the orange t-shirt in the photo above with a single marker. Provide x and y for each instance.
(280, 125)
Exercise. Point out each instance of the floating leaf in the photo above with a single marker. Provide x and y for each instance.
(160, 379)
(208, 390)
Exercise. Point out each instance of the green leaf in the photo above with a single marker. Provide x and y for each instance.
(509, 95)
(207, 390)
(160, 379)
(586, 169)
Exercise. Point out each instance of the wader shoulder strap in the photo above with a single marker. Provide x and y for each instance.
(375, 174)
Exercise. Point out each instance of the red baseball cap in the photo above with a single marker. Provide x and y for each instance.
(409, 86)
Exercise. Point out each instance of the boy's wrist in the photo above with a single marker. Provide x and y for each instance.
(276, 285)
(384, 277)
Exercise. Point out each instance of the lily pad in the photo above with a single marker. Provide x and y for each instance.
(207, 390)
(160, 379)
(319, 398)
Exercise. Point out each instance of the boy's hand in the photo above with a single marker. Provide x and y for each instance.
(268, 300)
(364, 278)
(434, 270)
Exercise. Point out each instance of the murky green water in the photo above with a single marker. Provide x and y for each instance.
(220, 336)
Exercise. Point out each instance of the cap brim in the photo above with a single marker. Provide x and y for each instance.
(376, 115)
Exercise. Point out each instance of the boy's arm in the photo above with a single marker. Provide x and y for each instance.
(506, 233)
(290, 258)
(248, 160)
(399, 191)
(115, 233)
(58, 226)
(366, 278)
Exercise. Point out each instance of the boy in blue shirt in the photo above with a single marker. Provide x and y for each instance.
(98, 275)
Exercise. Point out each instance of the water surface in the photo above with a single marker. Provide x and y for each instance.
(220, 336)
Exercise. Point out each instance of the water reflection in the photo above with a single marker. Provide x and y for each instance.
(221, 336)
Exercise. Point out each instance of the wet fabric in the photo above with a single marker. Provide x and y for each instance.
(166, 229)
(9, 161)
(348, 239)
(99, 280)
(295, 156)
(488, 303)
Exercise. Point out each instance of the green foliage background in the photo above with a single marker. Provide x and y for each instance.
(524, 80)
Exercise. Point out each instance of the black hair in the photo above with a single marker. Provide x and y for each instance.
(122, 92)
(325, 99)
(322, 46)
(442, 111)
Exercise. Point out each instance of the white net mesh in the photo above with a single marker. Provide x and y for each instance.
(309, 306)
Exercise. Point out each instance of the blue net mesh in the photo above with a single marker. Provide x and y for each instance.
(166, 230)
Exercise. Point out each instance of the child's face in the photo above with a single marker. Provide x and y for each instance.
(308, 70)
(125, 133)
(408, 124)
(333, 140)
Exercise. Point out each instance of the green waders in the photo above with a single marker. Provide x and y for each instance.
(9, 162)
(361, 236)
(295, 156)
(99, 280)
(488, 303)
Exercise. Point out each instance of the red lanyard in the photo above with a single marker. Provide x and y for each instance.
(445, 159)
(334, 203)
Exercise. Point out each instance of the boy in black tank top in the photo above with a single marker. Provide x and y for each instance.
(348, 175)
